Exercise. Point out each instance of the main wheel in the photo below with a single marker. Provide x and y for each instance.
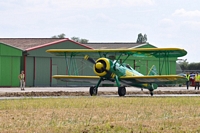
(122, 91)
(93, 91)
(151, 93)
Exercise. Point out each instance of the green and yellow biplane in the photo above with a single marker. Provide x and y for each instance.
(116, 71)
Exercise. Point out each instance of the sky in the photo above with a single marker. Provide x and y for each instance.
(166, 23)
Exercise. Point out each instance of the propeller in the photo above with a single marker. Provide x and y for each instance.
(99, 65)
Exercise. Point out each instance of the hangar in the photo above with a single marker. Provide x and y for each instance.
(29, 54)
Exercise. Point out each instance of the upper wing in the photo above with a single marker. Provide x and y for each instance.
(158, 79)
(157, 52)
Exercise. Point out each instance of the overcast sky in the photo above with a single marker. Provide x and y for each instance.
(167, 24)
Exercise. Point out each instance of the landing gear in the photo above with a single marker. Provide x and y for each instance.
(151, 92)
(93, 91)
(153, 86)
(122, 91)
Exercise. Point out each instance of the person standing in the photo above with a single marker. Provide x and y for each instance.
(188, 80)
(22, 80)
(196, 80)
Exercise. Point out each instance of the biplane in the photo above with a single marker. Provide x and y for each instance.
(117, 71)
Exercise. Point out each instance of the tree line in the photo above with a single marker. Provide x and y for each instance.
(76, 39)
(185, 65)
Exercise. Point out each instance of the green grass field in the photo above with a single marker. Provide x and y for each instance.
(100, 114)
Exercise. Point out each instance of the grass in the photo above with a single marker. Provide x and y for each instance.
(100, 114)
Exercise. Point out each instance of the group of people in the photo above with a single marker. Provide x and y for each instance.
(196, 81)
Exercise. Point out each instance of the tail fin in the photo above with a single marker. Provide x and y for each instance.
(153, 71)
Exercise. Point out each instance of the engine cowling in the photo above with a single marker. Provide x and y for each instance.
(101, 67)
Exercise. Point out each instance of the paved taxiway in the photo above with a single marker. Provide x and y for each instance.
(107, 92)
(85, 89)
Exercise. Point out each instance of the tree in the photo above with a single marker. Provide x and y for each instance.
(59, 36)
(77, 39)
(194, 66)
(84, 41)
(141, 38)
(188, 66)
(183, 64)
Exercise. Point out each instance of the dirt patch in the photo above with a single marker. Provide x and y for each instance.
(64, 93)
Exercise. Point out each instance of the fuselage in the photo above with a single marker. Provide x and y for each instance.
(113, 68)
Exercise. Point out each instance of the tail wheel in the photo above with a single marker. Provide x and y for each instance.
(93, 91)
(122, 91)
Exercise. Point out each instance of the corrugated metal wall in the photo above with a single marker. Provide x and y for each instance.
(81, 67)
(144, 64)
(15, 70)
(6, 71)
(9, 65)
(42, 71)
(58, 68)
(40, 66)
(29, 71)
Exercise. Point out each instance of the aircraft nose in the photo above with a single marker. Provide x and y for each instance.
(99, 65)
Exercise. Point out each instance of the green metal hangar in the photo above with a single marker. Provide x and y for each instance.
(141, 64)
(9, 65)
(29, 54)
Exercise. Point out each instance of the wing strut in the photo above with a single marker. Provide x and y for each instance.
(117, 80)
(125, 59)
(71, 65)
(164, 63)
(118, 58)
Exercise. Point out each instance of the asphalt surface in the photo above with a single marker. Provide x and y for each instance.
(86, 89)
(11, 93)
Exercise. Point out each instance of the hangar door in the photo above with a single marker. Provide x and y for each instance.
(42, 71)
(9, 71)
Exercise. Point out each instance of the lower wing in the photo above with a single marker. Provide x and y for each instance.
(128, 80)
(158, 79)
(75, 78)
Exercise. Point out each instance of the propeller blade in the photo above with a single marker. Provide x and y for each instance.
(89, 59)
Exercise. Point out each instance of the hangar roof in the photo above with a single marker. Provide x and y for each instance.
(116, 45)
(34, 43)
